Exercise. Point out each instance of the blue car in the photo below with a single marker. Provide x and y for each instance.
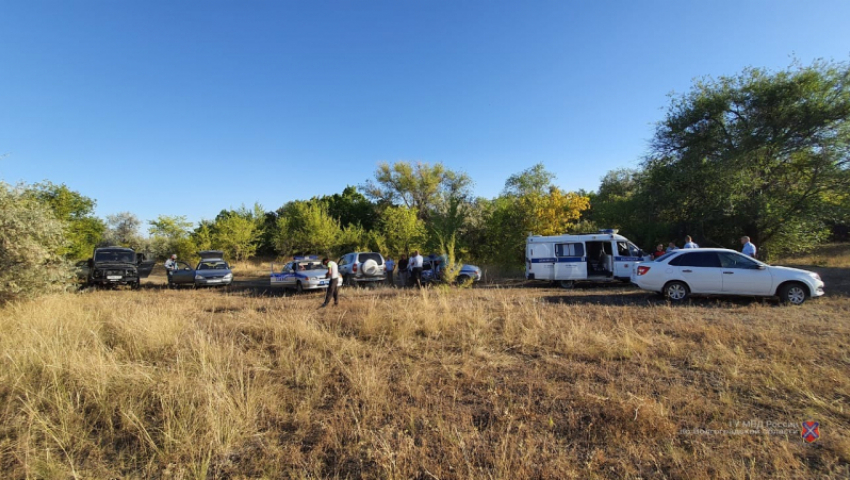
(433, 265)
(211, 271)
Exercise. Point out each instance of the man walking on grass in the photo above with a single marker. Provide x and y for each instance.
(333, 275)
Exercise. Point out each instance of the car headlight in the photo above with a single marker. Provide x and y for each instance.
(814, 275)
(198, 277)
(229, 276)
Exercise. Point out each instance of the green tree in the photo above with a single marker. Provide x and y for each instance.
(171, 234)
(534, 180)
(32, 242)
(351, 208)
(528, 204)
(402, 230)
(305, 227)
(83, 231)
(421, 186)
(762, 154)
(237, 236)
(123, 230)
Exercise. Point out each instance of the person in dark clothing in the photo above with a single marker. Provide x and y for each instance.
(403, 274)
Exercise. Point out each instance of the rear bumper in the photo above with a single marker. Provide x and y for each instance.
(106, 281)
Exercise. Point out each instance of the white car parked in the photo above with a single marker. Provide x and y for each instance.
(718, 271)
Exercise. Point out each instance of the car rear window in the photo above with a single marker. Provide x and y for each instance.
(371, 256)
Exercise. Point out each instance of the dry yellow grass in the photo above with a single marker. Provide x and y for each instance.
(499, 383)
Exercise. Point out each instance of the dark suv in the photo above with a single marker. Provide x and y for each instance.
(115, 266)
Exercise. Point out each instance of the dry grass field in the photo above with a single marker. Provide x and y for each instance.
(488, 382)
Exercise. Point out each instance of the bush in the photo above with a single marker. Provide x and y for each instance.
(31, 242)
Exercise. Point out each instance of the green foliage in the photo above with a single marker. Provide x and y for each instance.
(123, 230)
(534, 180)
(83, 231)
(527, 205)
(32, 243)
(451, 267)
(402, 230)
(421, 187)
(351, 208)
(237, 236)
(307, 228)
(761, 154)
(171, 235)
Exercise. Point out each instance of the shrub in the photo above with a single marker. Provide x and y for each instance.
(31, 242)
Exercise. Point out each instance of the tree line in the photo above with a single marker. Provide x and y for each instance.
(760, 153)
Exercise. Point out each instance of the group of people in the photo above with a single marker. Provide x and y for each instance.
(748, 248)
(409, 270)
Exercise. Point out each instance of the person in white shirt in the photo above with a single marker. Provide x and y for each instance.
(416, 262)
(689, 242)
(749, 249)
(333, 275)
(171, 264)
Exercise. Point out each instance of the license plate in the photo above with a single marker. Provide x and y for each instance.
(213, 281)
(323, 282)
(113, 277)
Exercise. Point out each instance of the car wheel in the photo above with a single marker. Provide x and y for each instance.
(462, 279)
(676, 291)
(299, 288)
(136, 285)
(567, 283)
(793, 293)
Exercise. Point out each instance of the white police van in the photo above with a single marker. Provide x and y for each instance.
(565, 259)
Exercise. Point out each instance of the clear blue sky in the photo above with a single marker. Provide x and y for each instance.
(186, 108)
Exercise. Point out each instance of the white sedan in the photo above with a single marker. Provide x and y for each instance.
(718, 271)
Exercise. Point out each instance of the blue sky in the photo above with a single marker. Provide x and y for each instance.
(186, 108)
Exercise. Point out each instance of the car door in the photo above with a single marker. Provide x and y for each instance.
(627, 255)
(145, 267)
(183, 275)
(742, 275)
(700, 270)
(284, 278)
(570, 261)
(82, 269)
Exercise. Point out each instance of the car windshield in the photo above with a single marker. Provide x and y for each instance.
(212, 265)
(122, 256)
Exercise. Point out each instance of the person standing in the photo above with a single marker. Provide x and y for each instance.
(333, 275)
(749, 249)
(389, 265)
(403, 263)
(416, 263)
(671, 246)
(171, 263)
(659, 251)
(170, 266)
(689, 242)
